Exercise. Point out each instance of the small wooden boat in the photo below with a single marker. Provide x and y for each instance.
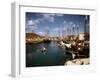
(44, 50)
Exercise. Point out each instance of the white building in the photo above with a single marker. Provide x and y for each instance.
(81, 36)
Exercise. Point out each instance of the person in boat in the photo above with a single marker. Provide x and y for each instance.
(44, 50)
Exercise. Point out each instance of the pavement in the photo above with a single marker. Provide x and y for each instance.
(83, 61)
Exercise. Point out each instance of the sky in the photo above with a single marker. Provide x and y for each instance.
(54, 24)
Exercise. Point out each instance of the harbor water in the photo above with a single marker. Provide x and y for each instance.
(54, 55)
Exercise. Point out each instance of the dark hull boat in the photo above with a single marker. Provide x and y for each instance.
(47, 40)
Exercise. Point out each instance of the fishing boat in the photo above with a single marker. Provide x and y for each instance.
(47, 40)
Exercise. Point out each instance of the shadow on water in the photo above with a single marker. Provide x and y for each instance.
(53, 56)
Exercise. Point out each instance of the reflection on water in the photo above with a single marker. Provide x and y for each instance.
(53, 56)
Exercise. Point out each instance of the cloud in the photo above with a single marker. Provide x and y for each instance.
(40, 20)
(48, 17)
(31, 25)
(41, 33)
(37, 21)
(56, 29)
(44, 17)
(30, 22)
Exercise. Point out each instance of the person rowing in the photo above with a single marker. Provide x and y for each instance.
(44, 50)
